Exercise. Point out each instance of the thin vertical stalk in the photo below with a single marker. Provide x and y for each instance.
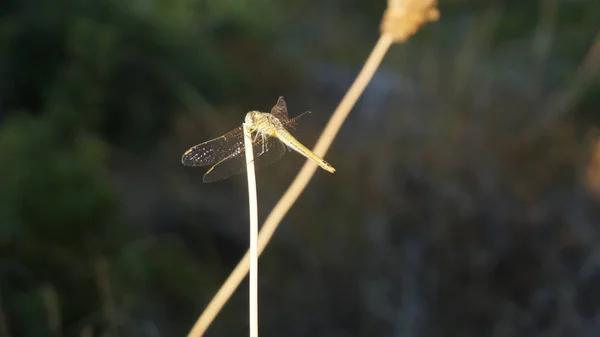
(253, 205)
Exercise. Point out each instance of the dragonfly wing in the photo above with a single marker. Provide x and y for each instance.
(215, 150)
(236, 163)
(294, 121)
(280, 110)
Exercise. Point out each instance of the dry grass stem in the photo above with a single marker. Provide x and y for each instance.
(253, 205)
(403, 18)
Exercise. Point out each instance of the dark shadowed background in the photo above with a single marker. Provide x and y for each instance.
(465, 201)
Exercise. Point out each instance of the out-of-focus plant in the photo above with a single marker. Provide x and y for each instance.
(68, 259)
(123, 66)
(58, 211)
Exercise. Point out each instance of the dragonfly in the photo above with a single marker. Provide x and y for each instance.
(271, 140)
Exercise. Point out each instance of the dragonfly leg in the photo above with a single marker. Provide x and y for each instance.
(256, 135)
(264, 140)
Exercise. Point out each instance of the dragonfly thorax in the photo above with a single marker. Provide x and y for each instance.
(262, 123)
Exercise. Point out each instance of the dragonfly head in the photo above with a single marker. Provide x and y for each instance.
(252, 119)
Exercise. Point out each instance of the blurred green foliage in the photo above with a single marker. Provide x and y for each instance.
(58, 211)
(118, 65)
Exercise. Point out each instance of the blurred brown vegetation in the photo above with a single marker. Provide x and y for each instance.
(465, 202)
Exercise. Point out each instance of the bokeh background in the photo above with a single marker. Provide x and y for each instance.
(465, 201)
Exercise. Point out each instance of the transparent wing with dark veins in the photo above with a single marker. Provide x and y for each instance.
(294, 121)
(280, 110)
(215, 150)
(235, 164)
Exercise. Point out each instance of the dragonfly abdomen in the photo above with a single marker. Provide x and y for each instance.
(295, 145)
